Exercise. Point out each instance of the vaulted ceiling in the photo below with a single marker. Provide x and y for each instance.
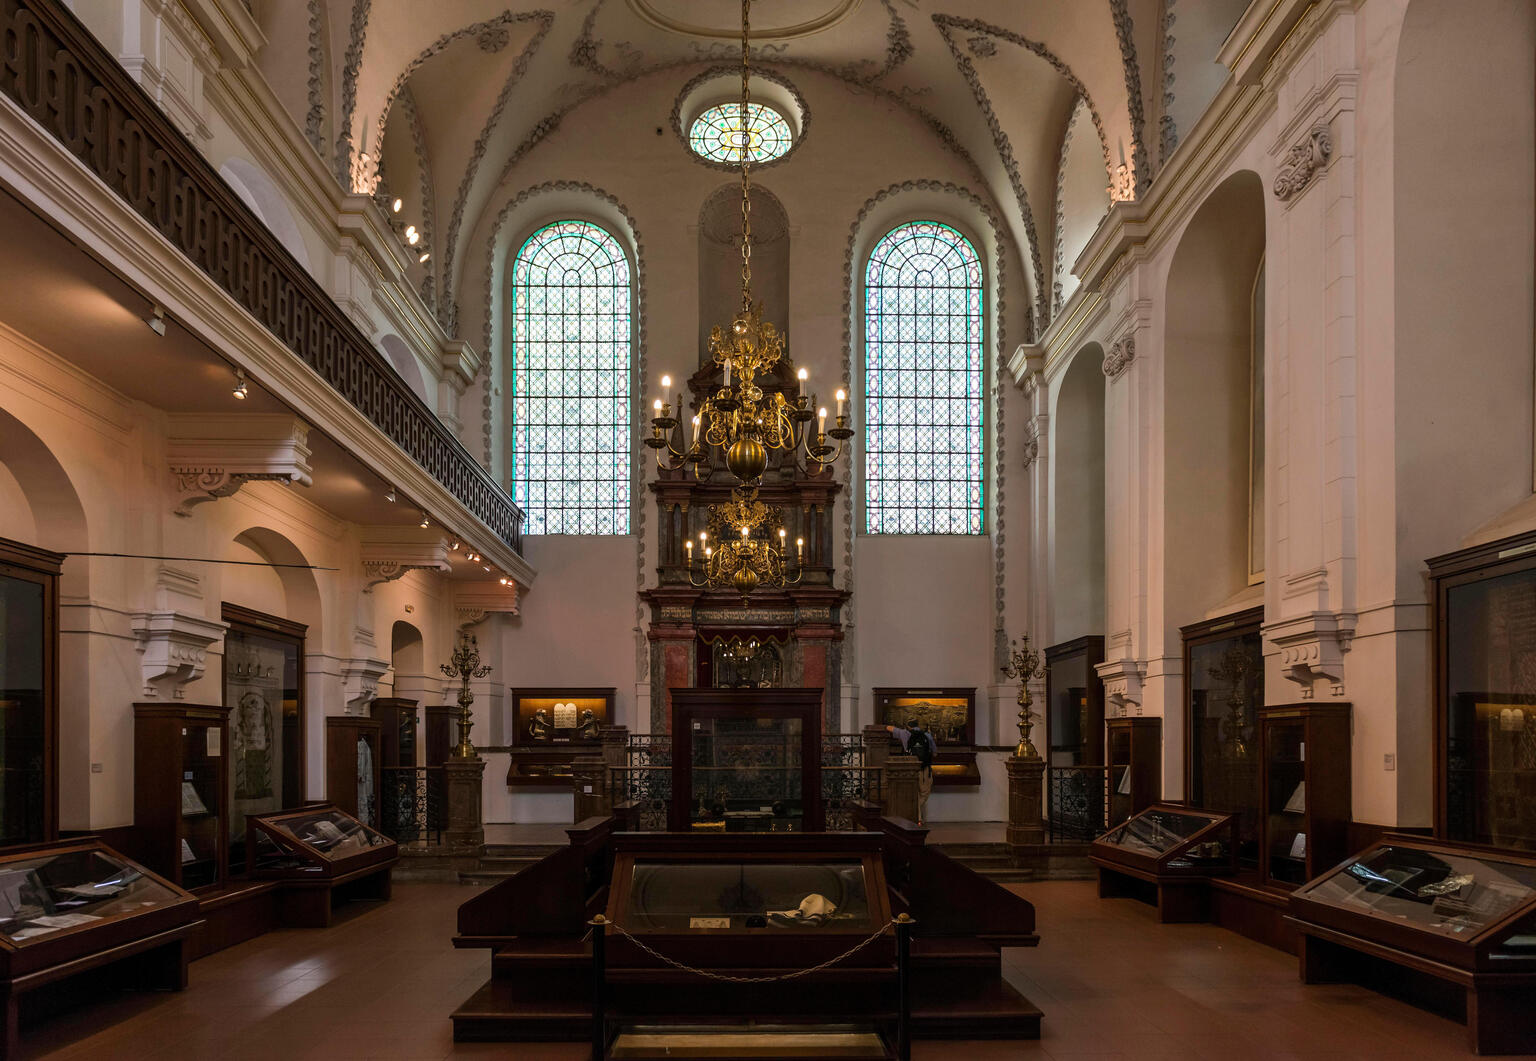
(451, 95)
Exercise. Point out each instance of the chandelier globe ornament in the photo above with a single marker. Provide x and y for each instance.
(740, 419)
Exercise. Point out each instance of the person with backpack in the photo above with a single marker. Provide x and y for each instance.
(918, 743)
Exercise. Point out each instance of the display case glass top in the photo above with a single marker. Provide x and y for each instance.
(72, 888)
(780, 896)
(317, 836)
(1450, 893)
(1169, 839)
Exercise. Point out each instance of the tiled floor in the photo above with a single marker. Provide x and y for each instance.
(1111, 981)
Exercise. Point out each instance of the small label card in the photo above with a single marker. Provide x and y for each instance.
(709, 922)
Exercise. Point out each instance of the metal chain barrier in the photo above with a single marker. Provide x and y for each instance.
(723, 978)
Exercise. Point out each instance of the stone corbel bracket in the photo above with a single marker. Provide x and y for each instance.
(1121, 353)
(173, 648)
(1303, 162)
(389, 552)
(1312, 649)
(1031, 450)
(212, 456)
(360, 682)
(1122, 684)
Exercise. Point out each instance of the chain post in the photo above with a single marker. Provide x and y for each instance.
(599, 925)
(904, 923)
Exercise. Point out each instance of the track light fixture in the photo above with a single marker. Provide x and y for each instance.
(396, 205)
(389, 495)
(455, 546)
(241, 389)
(424, 256)
(425, 522)
(156, 320)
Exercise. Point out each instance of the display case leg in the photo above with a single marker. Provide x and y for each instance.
(599, 988)
(904, 925)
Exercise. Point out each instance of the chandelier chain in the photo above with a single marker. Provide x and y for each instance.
(744, 146)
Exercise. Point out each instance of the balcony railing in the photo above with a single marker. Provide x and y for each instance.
(56, 72)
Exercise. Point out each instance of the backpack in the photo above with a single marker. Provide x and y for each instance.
(920, 747)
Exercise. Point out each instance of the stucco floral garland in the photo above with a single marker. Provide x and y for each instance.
(1060, 266)
(352, 62)
(1168, 129)
(851, 287)
(314, 118)
(428, 193)
(1124, 29)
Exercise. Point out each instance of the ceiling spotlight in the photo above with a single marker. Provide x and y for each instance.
(389, 495)
(411, 235)
(424, 256)
(455, 546)
(505, 581)
(241, 390)
(425, 522)
(156, 321)
(396, 205)
(487, 567)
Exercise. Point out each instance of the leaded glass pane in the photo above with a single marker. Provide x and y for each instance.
(923, 345)
(570, 381)
(720, 135)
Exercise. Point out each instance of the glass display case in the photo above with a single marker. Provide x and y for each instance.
(29, 680)
(1223, 692)
(1170, 851)
(315, 841)
(180, 791)
(1074, 696)
(949, 715)
(1485, 693)
(1134, 758)
(1461, 914)
(738, 895)
(550, 728)
(353, 765)
(1307, 799)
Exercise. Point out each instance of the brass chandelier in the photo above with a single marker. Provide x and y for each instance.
(740, 418)
(744, 554)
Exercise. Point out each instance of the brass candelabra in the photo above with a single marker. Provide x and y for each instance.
(465, 665)
(1024, 665)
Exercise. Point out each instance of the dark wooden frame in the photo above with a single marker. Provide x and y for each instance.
(249, 621)
(552, 760)
(1182, 893)
(158, 769)
(1500, 1017)
(1326, 771)
(1145, 742)
(341, 754)
(306, 900)
(1221, 628)
(332, 868)
(394, 713)
(1449, 571)
(1091, 648)
(954, 761)
(158, 934)
(691, 704)
(28, 563)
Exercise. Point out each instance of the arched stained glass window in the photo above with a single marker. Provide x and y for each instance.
(718, 133)
(571, 434)
(924, 336)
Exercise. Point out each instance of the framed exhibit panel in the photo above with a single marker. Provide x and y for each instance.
(949, 715)
(1134, 750)
(29, 693)
(1171, 848)
(264, 691)
(1306, 785)
(1074, 697)
(1459, 914)
(1485, 693)
(550, 728)
(1223, 691)
(352, 766)
(75, 905)
(746, 760)
(181, 791)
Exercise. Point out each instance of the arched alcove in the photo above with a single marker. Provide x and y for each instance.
(1077, 512)
(301, 594)
(266, 200)
(406, 364)
(1209, 387)
(49, 512)
(720, 259)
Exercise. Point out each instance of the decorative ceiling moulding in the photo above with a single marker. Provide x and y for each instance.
(1140, 177)
(545, 19)
(685, 109)
(680, 17)
(1120, 354)
(1303, 162)
(213, 455)
(314, 117)
(352, 61)
(1058, 258)
(1167, 128)
(852, 280)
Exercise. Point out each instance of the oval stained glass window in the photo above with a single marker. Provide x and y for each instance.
(719, 135)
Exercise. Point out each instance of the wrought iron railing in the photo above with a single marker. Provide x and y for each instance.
(1077, 805)
(56, 72)
(649, 788)
(650, 749)
(413, 803)
(842, 749)
(848, 790)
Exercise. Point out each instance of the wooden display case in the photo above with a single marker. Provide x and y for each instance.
(397, 731)
(442, 736)
(352, 766)
(1448, 923)
(76, 905)
(321, 854)
(949, 715)
(29, 693)
(1074, 697)
(181, 789)
(1134, 757)
(1171, 850)
(1306, 790)
(1223, 692)
(550, 728)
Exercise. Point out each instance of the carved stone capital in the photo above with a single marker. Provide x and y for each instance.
(213, 456)
(173, 649)
(1031, 450)
(1312, 648)
(1303, 162)
(1121, 353)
